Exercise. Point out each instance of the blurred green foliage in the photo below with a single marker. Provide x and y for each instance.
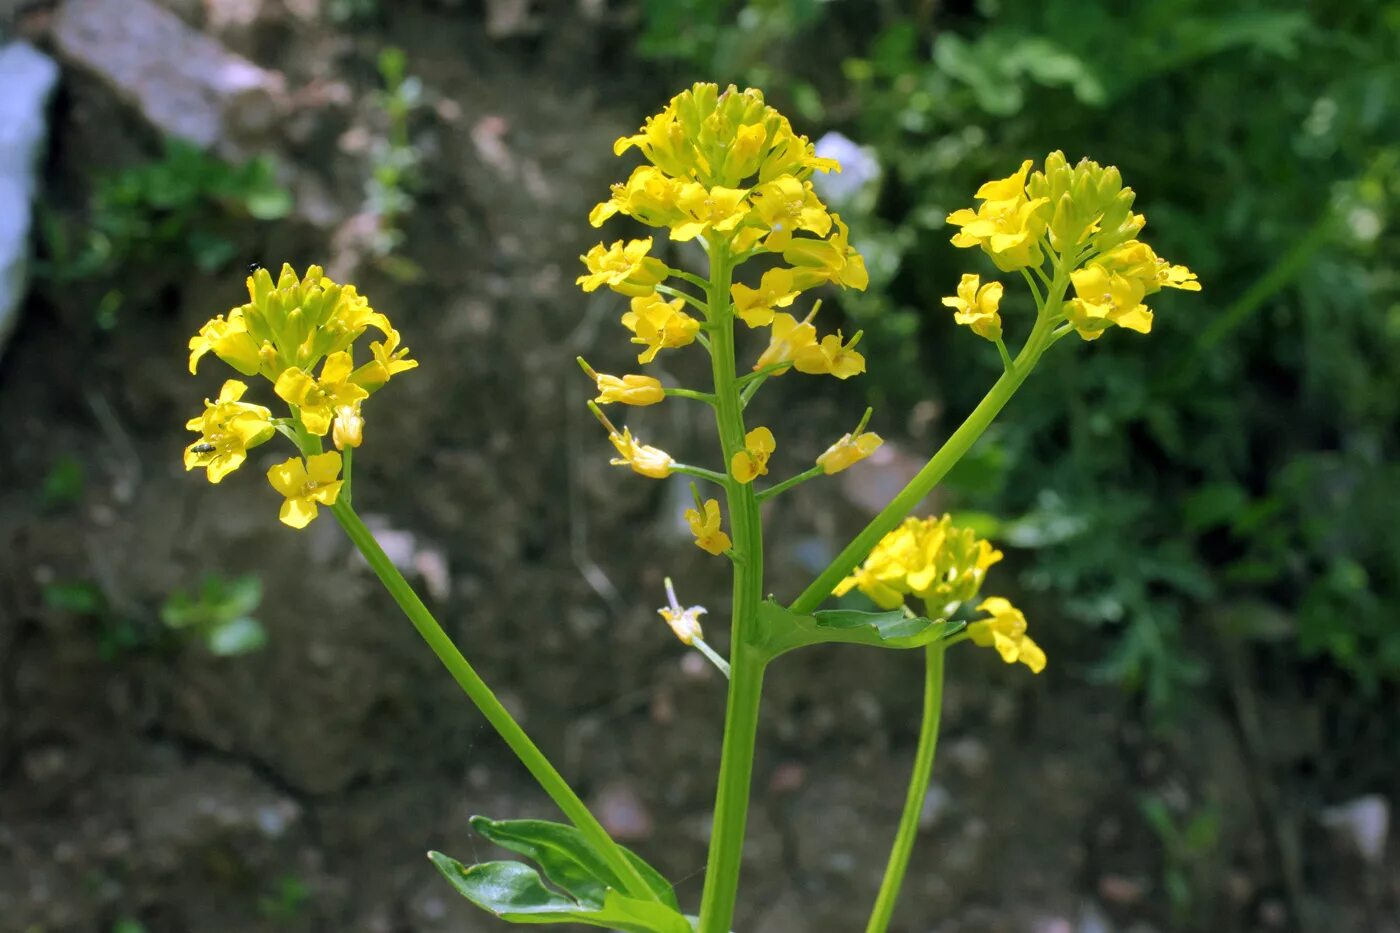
(1241, 461)
(177, 210)
(1191, 861)
(287, 901)
(394, 164)
(64, 482)
(219, 613)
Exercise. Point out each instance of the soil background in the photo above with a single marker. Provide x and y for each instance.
(297, 788)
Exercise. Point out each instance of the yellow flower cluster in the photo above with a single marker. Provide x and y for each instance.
(725, 169)
(943, 566)
(288, 327)
(927, 558)
(1080, 216)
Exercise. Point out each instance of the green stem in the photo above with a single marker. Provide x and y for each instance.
(505, 725)
(686, 469)
(1006, 362)
(947, 456)
(686, 296)
(790, 482)
(747, 661)
(705, 397)
(347, 461)
(918, 791)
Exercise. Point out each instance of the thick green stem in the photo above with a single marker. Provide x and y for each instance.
(746, 660)
(471, 683)
(947, 456)
(918, 790)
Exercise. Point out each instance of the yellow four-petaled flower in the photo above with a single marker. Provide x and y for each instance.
(752, 462)
(705, 526)
(305, 484)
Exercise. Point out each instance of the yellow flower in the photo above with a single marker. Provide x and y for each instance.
(1007, 224)
(304, 485)
(831, 356)
(649, 195)
(1136, 260)
(786, 206)
(789, 337)
(657, 324)
(685, 623)
(793, 155)
(717, 209)
(227, 429)
(348, 428)
(1106, 298)
(927, 558)
(755, 305)
(320, 399)
(664, 141)
(626, 269)
(848, 451)
(230, 341)
(1005, 630)
(752, 462)
(977, 306)
(831, 260)
(708, 536)
(648, 461)
(389, 360)
(629, 389)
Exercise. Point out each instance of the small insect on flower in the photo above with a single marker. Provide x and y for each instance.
(204, 447)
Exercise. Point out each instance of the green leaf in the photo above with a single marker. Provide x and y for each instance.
(785, 630)
(887, 625)
(78, 598)
(567, 858)
(515, 892)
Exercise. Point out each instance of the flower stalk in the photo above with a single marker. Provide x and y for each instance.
(549, 779)
(746, 662)
(919, 778)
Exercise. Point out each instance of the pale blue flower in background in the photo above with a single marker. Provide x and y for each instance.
(859, 169)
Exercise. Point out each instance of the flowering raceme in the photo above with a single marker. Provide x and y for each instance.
(929, 559)
(726, 169)
(1081, 217)
(285, 330)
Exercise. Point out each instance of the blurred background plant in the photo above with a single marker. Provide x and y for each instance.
(1237, 461)
(178, 209)
(217, 614)
(393, 164)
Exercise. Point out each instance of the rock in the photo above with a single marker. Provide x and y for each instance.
(1364, 823)
(183, 82)
(1120, 890)
(28, 77)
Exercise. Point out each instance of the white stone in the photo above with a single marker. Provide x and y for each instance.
(27, 77)
(1364, 823)
(183, 82)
